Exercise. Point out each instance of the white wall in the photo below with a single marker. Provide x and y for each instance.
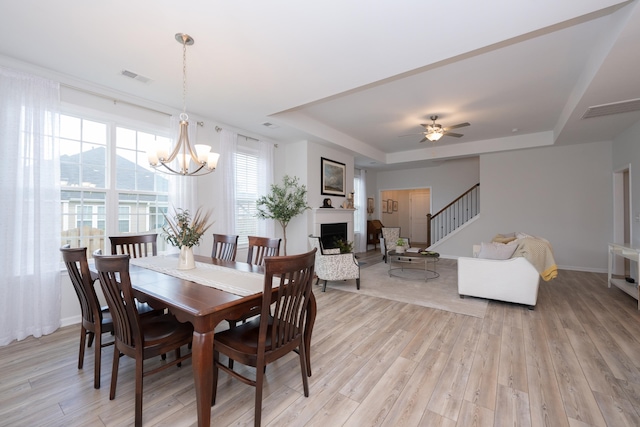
(563, 194)
(447, 180)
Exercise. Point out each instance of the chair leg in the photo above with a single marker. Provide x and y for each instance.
(97, 359)
(114, 372)
(178, 357)
(83, 336)
(317, 281)
(358, 283)
(303, 369)
(91, 335)
(259, 384)
(139, 374)
(324, 286)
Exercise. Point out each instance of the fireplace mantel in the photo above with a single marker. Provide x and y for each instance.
(333, 215)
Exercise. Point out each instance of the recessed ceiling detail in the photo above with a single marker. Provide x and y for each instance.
(613, 108)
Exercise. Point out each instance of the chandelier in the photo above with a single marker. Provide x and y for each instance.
(204, 161)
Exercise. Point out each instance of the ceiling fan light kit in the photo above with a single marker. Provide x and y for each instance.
(434, 131)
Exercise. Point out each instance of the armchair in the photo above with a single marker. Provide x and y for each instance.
(390, 236)
(332, 265)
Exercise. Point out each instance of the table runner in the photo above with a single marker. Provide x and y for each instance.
(226, 279)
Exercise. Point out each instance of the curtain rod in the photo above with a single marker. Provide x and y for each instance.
(218, 129)
(115, 100)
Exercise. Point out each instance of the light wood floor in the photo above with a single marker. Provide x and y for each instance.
(573, 361)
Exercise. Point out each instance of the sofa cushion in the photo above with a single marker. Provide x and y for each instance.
(504, 238)
(496, 250)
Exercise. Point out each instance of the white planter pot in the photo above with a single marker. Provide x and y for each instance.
(186, 260)
(399, 249)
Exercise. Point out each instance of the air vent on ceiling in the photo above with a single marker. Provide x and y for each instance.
(270, 125)
(135, 76)
(613, 108)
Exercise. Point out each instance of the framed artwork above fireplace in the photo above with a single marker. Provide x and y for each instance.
(333, 177)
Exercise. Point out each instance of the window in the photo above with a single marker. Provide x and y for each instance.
(246, 160)
(358, 189)
(97, 203)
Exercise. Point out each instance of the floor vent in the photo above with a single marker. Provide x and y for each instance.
(613, 108)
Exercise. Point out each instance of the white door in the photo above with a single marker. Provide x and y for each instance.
(419, 200)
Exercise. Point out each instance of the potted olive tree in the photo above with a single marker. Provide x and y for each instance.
(284, 202)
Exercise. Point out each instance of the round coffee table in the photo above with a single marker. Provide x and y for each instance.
(402, 263)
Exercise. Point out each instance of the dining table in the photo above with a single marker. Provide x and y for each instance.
(204, 306)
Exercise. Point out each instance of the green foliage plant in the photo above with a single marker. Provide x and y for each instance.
(283, 202)
(182, 230)
(345, 246)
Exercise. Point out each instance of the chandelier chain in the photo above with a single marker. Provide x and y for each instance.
(184, 77)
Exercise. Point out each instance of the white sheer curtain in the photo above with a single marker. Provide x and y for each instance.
(360, 202)
(265, 170)
(30, 217)
(227, 165)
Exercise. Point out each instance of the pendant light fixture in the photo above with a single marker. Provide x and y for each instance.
(189, 161)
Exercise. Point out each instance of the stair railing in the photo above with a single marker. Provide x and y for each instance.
(454, 215)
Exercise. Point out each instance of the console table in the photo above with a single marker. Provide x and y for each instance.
(624, 250)
(413, 261)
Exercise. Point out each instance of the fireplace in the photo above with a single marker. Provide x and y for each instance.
(329, 233)
(329, 216)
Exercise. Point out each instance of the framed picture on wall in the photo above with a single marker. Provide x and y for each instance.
(389, 206)
(384, 206)
(395, 206)
(370, 205)
(333, 177)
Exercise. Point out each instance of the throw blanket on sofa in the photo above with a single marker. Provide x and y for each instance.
(539, 254)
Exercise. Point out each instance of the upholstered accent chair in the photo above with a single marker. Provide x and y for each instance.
(332, 265)
(390, 236)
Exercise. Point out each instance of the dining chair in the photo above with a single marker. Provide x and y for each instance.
(261, 247)
(138, 246)
(278, 330)
(225, 247)
(96, 320)
(139, 337)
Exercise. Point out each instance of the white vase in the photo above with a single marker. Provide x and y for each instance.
(399, 249)
(186, 260)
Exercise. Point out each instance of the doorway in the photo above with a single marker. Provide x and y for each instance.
(408, 210)
(622, 217)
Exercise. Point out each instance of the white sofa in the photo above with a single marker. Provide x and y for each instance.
(512, 280)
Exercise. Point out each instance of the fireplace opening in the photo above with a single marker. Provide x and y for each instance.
(330, 233)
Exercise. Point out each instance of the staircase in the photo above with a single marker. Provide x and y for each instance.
(454, 215)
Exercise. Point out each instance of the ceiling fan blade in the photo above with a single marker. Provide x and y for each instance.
(460, 125)
(411, 134)
(455, 135)
(424, 139)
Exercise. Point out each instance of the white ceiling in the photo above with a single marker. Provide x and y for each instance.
(355, 73)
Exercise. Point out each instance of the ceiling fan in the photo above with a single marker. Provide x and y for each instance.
(434, 131)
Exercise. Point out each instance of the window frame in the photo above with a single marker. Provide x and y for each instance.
(112, 193)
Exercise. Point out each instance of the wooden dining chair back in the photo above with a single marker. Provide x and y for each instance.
(261, 247)
(96, 320)
(278, 330)
(139, 246)
(225, 247)
(139, 337)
